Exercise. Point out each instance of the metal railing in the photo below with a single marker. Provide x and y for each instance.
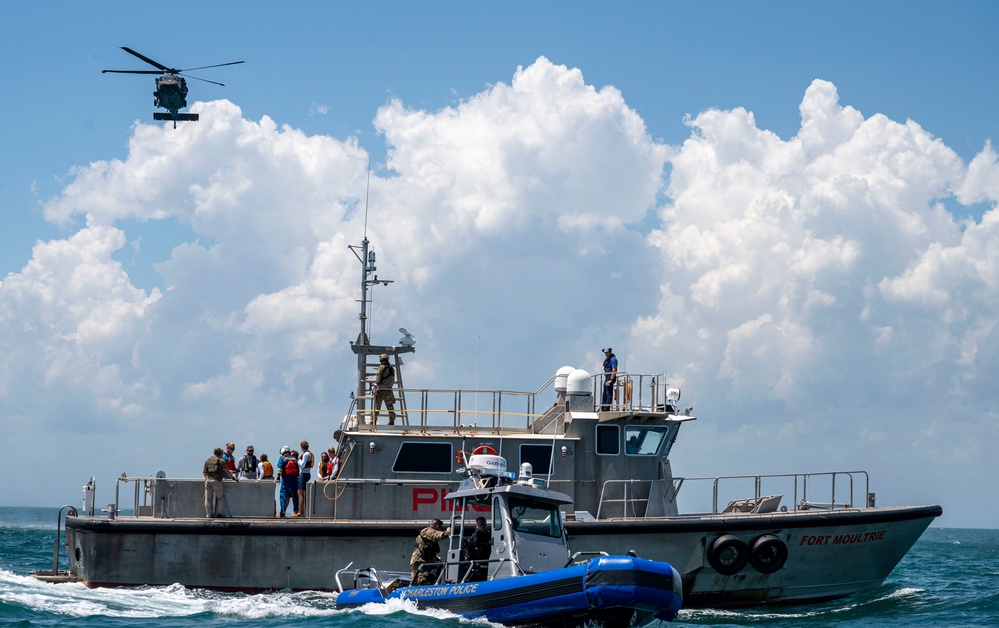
(443, 409)
(833, 495)
(633, 392)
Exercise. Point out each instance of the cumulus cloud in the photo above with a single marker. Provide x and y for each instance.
(815, 285)
(815, 259)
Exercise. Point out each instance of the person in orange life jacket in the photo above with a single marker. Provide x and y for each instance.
(325, 467)
(265, 470)
(247, 465)
(288, 476)
(305, 463)
(229, 458)
(214, 470)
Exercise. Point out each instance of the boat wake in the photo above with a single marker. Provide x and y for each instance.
(76, 600)
(399, 606)
(870, 605)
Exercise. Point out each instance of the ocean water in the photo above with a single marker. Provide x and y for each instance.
(949, 578)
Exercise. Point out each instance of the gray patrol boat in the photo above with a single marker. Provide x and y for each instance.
(759, 539)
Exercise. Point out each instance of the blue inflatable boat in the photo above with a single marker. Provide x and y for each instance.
(519, 571)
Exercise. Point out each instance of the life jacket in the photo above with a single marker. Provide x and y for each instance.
(230, 462)
(290, 466)
(249, 464)
(268, 470)
(326, 468)
(307, 459)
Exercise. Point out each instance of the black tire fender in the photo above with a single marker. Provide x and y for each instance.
(728, 554)
(768, 554)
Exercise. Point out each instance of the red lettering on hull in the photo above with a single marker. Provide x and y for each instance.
(425, 496)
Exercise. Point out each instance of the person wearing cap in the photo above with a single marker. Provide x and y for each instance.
(247, 465)
(384, 381)
(214, 470)
(610, 378)
(428, 550)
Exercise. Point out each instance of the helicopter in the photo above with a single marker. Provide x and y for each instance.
(171, 88)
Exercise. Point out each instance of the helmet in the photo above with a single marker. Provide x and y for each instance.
(286, 450)
(384, 356)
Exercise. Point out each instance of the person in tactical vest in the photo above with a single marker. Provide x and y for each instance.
(428, 551)
(214, 470)
(384, 381)
(247, 465)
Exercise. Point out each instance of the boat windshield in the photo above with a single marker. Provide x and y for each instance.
(643, 440)
(535, 517)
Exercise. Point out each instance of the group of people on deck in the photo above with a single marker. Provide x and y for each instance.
(293, 472)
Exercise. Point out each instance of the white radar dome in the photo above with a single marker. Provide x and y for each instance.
(561, 376)
(578, 383)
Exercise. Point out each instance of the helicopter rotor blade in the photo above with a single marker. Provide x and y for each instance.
(201, 79)
(148, 60)
(133, 71)
(217, 65)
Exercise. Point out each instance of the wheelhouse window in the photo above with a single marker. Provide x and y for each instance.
(608, 440)
(420, 457)
(540, 457)
(535, 517)
(644, 441)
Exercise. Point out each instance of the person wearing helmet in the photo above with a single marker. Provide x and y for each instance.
(428, 551)
(287, 472)
(384, 381)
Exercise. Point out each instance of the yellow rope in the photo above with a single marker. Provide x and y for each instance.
(336, 480)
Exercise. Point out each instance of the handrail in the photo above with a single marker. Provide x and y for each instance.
(70, 512)
(506, 409)
(801, 479)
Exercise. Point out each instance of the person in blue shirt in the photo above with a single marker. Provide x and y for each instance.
(610, 378)
(229, 458)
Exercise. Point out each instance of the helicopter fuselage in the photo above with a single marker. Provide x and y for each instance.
(171, 93)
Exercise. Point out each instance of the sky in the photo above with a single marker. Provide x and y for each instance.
(790, 209)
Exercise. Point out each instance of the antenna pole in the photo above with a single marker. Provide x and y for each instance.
(367, 193)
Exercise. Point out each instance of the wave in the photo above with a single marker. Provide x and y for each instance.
(807, 612)
(398, 606)
(76, 600)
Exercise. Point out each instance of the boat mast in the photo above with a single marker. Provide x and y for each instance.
(362, 347)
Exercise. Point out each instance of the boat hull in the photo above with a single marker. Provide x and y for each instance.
(619, 590)
(829, 554)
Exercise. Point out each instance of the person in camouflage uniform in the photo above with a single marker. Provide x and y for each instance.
(384, 381)
(428, 551)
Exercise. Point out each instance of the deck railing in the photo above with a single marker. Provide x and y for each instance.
(457, 410)
(627, 497)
